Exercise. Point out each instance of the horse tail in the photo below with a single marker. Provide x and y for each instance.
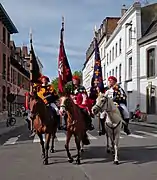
(85, 139)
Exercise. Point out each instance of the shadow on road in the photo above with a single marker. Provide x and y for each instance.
(135, 155)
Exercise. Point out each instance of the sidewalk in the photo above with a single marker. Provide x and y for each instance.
(146, 124)
(4, 129)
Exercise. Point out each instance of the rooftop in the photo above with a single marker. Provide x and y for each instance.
(7, 21)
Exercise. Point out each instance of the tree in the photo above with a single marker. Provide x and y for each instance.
(78, 73)
(55, 81)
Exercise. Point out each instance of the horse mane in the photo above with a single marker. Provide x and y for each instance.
(72, 108)
(38, 107)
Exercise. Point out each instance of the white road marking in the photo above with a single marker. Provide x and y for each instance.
(147, 133)
(61, 136)
(12, 140)
(91, 137)
(36, 138)
(132, 135)
(136, 136)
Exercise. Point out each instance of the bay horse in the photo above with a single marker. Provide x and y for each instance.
(44, 123)
(113, 122)
(75, 126)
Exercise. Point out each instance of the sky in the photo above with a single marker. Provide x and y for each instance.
(44, 18)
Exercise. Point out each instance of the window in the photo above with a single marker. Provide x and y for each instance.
(120, 73)
(4, 98)
(4, 35)
(130, 36)
(110, 56)
(8, 70)
(151, 62)
(116, 50)
(112, 53)
(130, 68)
(116, 72)
(19, 79)
(4, 66)
(112, 72)
(107, 75)
(107, 58)
(101, 53)
(8, 39)
(104, 71)
(120, 46)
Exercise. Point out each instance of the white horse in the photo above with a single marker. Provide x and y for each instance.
(113, 122)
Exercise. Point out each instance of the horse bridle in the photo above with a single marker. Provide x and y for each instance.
(100, 108)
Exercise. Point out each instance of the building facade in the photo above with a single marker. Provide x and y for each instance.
(122, 53)
(6, 29)
(130, 55)
(148, 68)
(103, 34)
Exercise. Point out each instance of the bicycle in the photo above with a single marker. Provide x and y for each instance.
(11, 121)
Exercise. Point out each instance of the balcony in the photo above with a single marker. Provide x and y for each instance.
(18, 66)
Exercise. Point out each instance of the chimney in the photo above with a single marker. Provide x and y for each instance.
(24, 51)
(123, 10)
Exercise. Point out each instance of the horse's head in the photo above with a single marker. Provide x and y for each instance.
(101, 104)
(65, 103)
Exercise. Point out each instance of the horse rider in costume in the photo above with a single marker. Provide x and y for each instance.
(118, 95)
(48, 94)
(81, 99)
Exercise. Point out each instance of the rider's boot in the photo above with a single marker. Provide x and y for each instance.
(90, 125)
(102, 121)
(88, 120)
(126, 128)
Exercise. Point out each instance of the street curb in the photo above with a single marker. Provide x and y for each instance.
(143, 124)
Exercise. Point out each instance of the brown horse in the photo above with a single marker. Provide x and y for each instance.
(75, 126)
(44, 123)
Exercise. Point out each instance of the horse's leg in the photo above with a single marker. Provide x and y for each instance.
(77, 141)
(42, 144)
(52, 142)
(108, 147)
(82, 146)
(116, 143)
(47, 142)
(68, 137)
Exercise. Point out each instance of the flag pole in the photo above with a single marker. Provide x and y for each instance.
(31, 63)
(95, 32)
(31, 72)
(61, 117)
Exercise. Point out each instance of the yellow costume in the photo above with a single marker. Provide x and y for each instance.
(47, 93)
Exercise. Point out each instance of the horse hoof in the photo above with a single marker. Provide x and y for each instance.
(43, 156)
(100, 133)
(78, 161)
(45, 162)
(116, 162)
(70, 160)
(108, 151)
(82, 150)
(52, 150)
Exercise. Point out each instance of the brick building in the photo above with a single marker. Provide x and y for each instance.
(14, 73)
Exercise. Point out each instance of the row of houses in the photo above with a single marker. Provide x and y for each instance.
(129, 52)
(14, 63)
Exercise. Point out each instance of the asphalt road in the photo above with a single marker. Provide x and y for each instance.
(20, 157)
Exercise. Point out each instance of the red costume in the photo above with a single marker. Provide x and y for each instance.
(81, 96)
